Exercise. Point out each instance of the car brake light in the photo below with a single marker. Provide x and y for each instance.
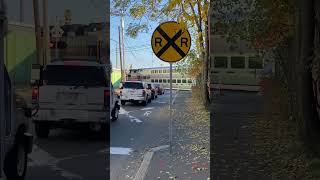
(35, 95)
(106, 95)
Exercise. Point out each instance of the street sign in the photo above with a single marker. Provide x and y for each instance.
(171, 41)
(56, 31)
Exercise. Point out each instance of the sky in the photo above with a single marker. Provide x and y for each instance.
(138, 51)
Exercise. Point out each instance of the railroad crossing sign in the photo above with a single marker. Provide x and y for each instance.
(171, 41)
(57, 31)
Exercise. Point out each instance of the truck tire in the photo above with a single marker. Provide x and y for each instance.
(114, 114)
(144, 103)
(15, 163)
(149, 100)
(42, 130)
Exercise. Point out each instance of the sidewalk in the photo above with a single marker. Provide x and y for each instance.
(190, 158)
(234, 154)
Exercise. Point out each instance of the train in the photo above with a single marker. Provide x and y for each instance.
(159, 75)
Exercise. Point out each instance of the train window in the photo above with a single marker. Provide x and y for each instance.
(255, 63)
(184, 81)
(190, 81)
(178, 80)
(238, 62)
(164, 80)
(160, 80)
(174, 81)
(152, 80)
(221, 62)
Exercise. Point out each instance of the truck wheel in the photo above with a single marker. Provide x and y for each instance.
(114, 114)
(123, 103)
(42, 130)
(144, 103)
(149, 100)
(15, 163)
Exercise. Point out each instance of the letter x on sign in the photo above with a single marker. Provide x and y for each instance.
(170, 42)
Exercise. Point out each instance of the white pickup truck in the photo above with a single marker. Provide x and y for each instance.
(136, 92)
(74, 93)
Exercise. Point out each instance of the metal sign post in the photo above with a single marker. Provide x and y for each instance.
(170, 109)
(171, 42)
(57, 34)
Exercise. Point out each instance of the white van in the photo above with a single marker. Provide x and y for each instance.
(74, 93)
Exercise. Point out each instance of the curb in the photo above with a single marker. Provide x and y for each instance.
(142, 172)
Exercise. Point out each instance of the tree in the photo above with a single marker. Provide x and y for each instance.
(190, 13)
(287, 28)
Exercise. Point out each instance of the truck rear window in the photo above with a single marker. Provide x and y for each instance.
(133, 85)
(75, 75)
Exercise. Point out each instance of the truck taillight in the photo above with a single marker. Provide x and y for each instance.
(35, 95)
(106, 95)
(143, 92)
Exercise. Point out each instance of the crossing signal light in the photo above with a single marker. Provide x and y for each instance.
(60, 45)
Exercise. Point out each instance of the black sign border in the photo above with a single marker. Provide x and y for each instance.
(156, 53)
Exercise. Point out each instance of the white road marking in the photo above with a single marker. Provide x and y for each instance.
(118, 151)
(132, 118)
(136, 120)
(147, 113)
(148, 108)
(40, 157)
(141, 174)
(161, 102)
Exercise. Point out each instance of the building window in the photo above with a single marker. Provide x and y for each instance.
(184, 81)
(164, 81)
(221, 62)
(238, 62)
(152, 80)
(156, 80)
(190, 81)
(179, 81)
(255, 63)
(152, 71)
(174, 81)
(160, 80)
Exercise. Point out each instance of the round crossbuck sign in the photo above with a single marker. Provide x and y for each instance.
(171, 41)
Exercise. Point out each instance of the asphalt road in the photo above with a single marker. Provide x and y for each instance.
(139, 129)
(79, 154)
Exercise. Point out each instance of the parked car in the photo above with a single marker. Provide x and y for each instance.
(136, 92)
(72, 94)
(15, 137)
(159, 88)
(154, 90)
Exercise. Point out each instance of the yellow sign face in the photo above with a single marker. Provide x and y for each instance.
(171, 42)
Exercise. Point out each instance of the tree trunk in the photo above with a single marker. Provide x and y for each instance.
(304, 93)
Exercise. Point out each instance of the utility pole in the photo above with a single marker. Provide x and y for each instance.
(37, 30)
(21, 11)
(116, 57)
(120, 54)
(46, 32)
(123, 52)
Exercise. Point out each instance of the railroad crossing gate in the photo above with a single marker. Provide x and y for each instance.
(171, 41)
